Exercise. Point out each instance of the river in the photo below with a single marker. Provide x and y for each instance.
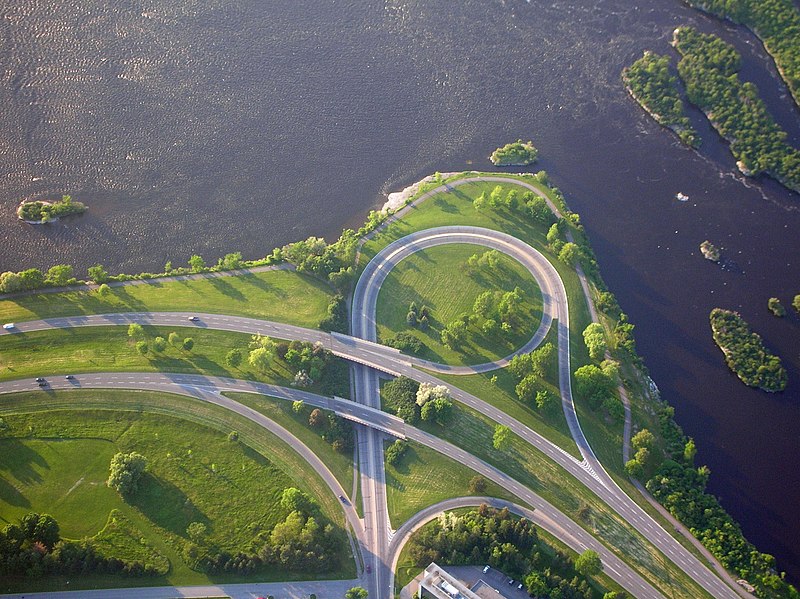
(210, 126)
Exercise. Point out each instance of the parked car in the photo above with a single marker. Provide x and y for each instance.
(485, 569)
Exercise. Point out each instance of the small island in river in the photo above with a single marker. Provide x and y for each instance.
(42, 212)
(517, 153)
(710, 251)
(745, 352)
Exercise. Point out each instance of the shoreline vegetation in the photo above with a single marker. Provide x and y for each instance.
(41, 212)
(709, 68)
(745, 353)
(775, 22)
(517, 153)
(655, 89)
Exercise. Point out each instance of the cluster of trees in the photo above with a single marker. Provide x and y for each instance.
(776, 22)
(125, 472)
(517, 153)
(645, 455)
(332, 262)
(530, 371)
(418, 317)
(510, 544)
(332, 428)
(745, 353)
(33, 547)
(304, 541)
(336, 319)
(46, 212)
(652, 85)
(158, 344)
(412, 401)
(406, 342)
(33, 278)
(594, 336)
(595, 385)
(526, 204)
(396, 451)
(709, 69)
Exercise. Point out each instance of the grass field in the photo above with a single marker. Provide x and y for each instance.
(280, 295)
(439, 278)
(423, 477)
(55, 458)
(280, 411)
(104, 349)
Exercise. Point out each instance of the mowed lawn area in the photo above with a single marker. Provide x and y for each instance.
(280, 295)
(440, 279)
(423, 477)
(55, 455)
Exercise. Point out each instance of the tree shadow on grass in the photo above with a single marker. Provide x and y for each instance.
(255, 281)
(165, 505)
(225, 288)
(18, 459)
(442, 204)
(11, 495)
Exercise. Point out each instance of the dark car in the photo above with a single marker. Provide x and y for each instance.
(42, 383)
(39, 379)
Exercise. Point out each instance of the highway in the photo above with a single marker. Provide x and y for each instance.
(211, 389)
(369, 358)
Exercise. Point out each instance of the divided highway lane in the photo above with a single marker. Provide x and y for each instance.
(390, 361)
(210, 389)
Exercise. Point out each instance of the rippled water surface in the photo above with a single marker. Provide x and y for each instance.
(220, 125)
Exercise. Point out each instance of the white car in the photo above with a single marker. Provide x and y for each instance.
(8, 326)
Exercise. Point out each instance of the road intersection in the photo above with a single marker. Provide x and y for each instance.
(375, 536)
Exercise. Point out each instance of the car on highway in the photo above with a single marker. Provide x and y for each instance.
(194, 318)
(39, 379)
(8, 326)
(42, 383)
(69, 377)
(342, 499)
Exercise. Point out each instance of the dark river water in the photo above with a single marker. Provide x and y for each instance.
(209, 126)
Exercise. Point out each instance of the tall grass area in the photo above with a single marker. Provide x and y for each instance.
(280, 295)
(423, 477)
(440, 279)
(55, 455)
